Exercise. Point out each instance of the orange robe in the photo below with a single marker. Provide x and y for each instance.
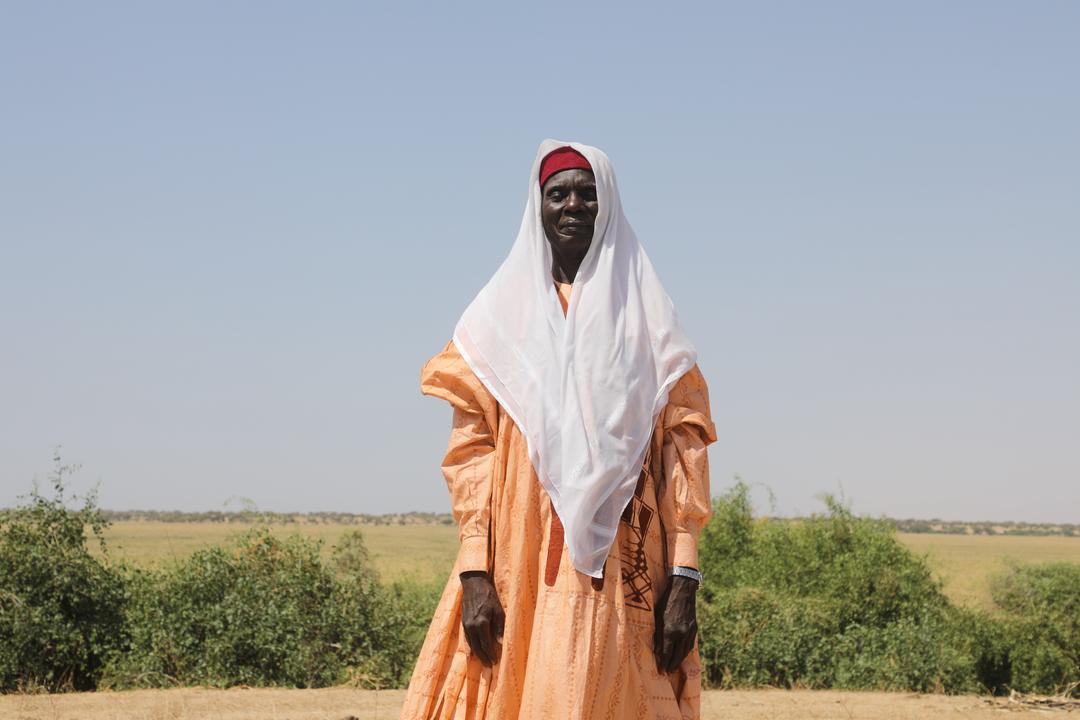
(574, 647)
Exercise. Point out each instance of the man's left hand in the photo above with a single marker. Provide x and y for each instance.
(676, 623)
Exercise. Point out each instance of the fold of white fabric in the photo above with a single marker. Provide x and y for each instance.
(585, 389)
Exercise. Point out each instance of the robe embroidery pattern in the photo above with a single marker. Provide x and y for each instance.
(572, 648)
(635, 567)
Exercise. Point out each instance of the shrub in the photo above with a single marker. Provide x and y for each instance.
(260, 612)
(252, 614)
(380, 627)
(987, 640)
(390, 641)
(268, 611)
(830, 601)
(1042, 606)
(60, 607)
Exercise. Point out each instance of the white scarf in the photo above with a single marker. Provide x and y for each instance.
(585, 389)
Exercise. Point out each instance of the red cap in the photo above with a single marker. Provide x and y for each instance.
(564, 158)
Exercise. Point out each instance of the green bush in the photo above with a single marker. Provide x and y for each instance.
(830, 601)
(397, 631)
(382, 627)
(256, 613)
(267, 611)
(60, 607)
(987, 640)
(1042, 606)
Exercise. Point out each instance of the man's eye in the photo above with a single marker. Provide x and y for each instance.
(555, 195)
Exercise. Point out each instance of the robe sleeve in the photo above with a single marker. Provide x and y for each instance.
(467, 465)
(685, 499)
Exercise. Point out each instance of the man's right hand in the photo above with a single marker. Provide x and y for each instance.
(482, 615)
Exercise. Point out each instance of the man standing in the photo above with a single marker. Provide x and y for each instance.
(578, 473)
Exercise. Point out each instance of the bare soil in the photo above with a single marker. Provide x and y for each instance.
(349, 704)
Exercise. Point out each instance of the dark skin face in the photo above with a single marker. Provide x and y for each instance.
(568, 208)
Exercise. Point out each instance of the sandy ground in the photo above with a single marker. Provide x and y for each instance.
(347, 704)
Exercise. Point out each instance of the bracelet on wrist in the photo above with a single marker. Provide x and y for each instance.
(688, 572)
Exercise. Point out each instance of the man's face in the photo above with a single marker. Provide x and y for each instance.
(568, 210)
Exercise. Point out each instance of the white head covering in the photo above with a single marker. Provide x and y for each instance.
(585, 389)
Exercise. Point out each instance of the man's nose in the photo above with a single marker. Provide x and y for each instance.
(574, 203)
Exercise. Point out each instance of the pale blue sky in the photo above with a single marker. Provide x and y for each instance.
(231, 233)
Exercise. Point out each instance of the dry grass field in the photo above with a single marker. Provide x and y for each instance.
(966, 563)
(419, 552)
(349, 704)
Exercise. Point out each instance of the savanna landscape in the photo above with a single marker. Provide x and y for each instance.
(112, 615)
(275, 271)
